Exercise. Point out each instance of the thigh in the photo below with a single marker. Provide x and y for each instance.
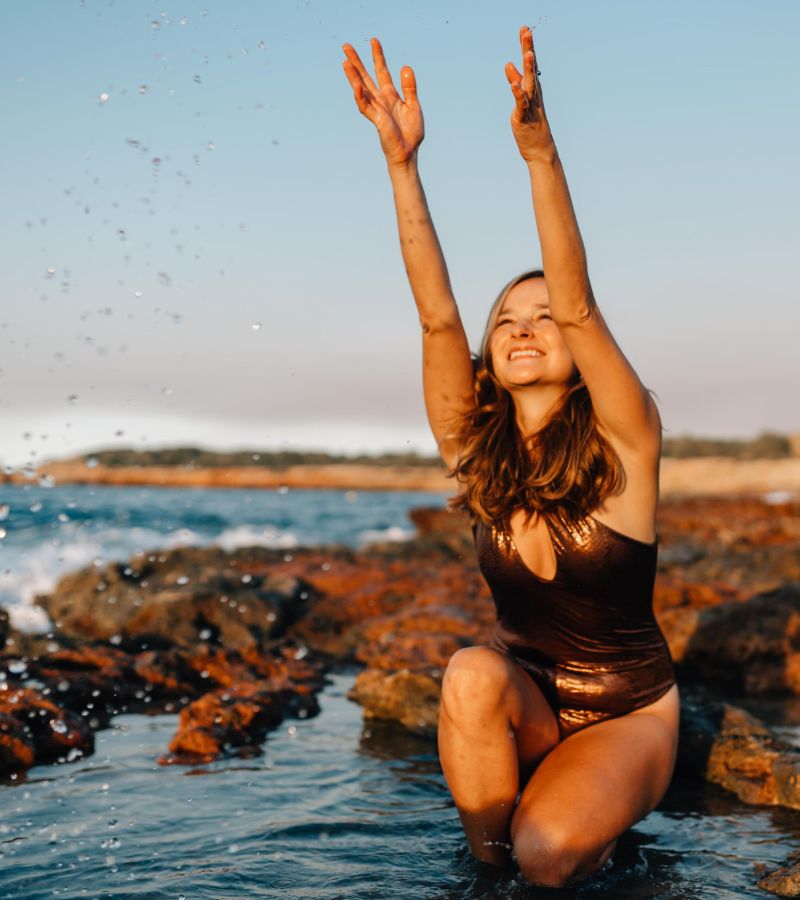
(601, 780)
(482, 677)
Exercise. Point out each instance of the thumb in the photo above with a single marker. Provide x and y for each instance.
(408, 83)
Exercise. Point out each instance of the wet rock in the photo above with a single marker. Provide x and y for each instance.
(753, 645)
(35, 730)
(410, 698)
(176, 599)
(254, 698)
(732, 748)
(785, 881)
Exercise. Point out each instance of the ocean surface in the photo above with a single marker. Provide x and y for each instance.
(332, 807)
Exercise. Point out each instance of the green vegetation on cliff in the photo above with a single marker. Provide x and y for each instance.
(765, 446)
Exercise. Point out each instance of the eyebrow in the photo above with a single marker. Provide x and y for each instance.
(506, 312)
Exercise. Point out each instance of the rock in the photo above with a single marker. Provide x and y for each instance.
(180, 601)
(213, 723)
(729, 747)
(255, 697)
(785, 882)
(753, 645)
(35, 730)
(410, 698)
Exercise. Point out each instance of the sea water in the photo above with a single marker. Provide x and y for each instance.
(334, 807)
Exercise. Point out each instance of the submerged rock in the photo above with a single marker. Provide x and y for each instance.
(732, 748)
(785, 881)
(410, 698)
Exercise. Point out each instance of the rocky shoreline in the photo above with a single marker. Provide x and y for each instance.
(238, 642)
(693, 477)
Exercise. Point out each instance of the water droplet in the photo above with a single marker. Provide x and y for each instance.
(58, 726)
(261, 45)
(17, 666)
(211, 145)
(103, 98)
(292, 730)
(143, 88)
(166, 391)
(63, 517)
(49, 272)
(3, 533)
(182, 579)
(233, 848)
(72, 399)
(35, 507)
(155, 24)
(301, 652)
(5, 509)
(137, 293)
(283, 489)
(47, 481)
(156, 161)
(163, 278)
(246, 579)
(92, 462)
(256, 326)
(197, 79)
(205, 634)
(184, 20)
(115, 639)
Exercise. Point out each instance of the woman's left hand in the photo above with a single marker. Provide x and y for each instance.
(528, 120)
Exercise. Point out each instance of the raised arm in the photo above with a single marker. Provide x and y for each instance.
(624, 409)
(447, 368)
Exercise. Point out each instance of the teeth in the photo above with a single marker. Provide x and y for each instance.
(517, 353)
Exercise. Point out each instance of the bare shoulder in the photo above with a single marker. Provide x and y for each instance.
(632, 511)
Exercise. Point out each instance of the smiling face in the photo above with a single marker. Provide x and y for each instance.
(525, 344)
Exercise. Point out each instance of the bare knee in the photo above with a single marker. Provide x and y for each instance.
(475, 681)
(551, 857)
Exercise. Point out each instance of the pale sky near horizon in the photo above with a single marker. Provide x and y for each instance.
(200, 242)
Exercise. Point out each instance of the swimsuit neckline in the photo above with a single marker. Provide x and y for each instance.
(649, 545)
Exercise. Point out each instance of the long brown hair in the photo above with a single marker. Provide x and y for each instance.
(564, 470)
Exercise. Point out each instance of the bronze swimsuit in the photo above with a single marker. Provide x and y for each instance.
(588, 636)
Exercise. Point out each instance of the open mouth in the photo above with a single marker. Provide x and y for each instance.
(522, 354)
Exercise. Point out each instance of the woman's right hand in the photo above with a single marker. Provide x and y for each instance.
(397, 120)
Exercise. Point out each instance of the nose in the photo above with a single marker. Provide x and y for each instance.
(522, 328)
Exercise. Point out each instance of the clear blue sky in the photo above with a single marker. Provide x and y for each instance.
(188, 170)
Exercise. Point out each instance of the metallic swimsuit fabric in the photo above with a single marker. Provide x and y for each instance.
(588, 637)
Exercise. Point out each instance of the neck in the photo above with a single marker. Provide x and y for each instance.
(533, 405)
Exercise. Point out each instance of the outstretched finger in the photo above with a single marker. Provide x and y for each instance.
(360, 91)
(408, 82)
(381, 69)
(355, 60)
(512, 73)
(521, 100)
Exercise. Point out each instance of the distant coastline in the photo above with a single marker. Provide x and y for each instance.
(690, 467)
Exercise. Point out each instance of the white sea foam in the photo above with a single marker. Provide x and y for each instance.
(776, 497)
(394, 533)
(255, 536)
(37, 570)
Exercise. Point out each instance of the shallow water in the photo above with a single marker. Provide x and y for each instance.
(333, 808)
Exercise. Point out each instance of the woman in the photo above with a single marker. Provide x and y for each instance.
(562, 733)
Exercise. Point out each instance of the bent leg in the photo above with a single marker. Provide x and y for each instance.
(494, 727)
(590, 789)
